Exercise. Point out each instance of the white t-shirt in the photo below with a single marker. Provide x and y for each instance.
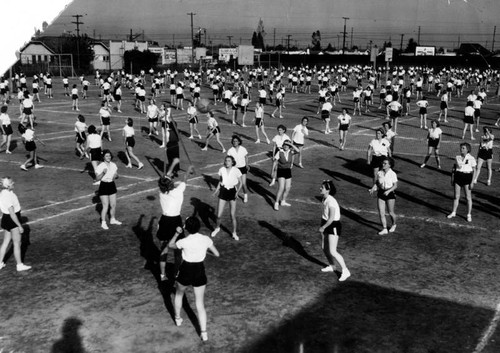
(344, 119)
(386, 180)
(380, 147)
(171, 202)
(104, 112)
(279, 139)
(80, 126)
(238, 155)
(4, 119)
(300, 131)
(435, 133)
(94, 141)
(194, 247)
(111, 170)
(230, 178)
(465, 164)
(9, 199)
(328, 204)
(129, 131)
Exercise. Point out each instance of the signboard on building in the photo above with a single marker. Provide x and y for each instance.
(245, 55)
(373, 54)
(425, 51)
(226, 53)
(388, 54)
(184, 56)
(200, 53)
(169, 56)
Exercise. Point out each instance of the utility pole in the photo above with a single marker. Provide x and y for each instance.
(343, 41)
(192, 37)
(173, 40)
(401, 45)
(338, 41)
(229, 37)
(493, 41)
(288, 42)
(78, 23)
(274, 38)
(418, 37)
(352, 34)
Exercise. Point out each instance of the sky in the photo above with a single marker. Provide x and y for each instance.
(441, 22)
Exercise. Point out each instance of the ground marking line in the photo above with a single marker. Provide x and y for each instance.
(483, 342)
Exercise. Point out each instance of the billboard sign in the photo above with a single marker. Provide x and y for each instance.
(425, 51)
(245, 55)
(388, 54)
(226, 53)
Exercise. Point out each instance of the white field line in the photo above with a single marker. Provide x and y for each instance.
(483, 342)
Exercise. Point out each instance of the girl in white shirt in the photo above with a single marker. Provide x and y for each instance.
(11, 223)
(462, 177)
(331, 229)
(94, 149)
(385, 185)
(298, 137)
(74, 98)
(344, 120)
(433, 142)
(245, 101)
(213, 130)
(81, 137)
(105, 117)
(28, 137)
(259, 122)
(485, 154)
(240, 155)
(6, 128)
(377, 150)
(129, 140)
(278, 141)
(228, 187)
(106, 173)
(194, 248)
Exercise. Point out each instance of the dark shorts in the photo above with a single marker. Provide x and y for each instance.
(30, 146)
(462, 179)
(284, 173)
(344, 127)
(142, 98)
(152, 120)
(106, 188)
(193, 120)
(74, 96)
(422, 111)
(262, 100)
(381, 196)
(243, 170)
(81, 137)
(322, 99)
(167, 226)
(325, 114)
(130, 141)
(180, 96)
(336, 225)
(117, 97)
(355, 100)
(8, 129)
(393, 114)
(432, 142)
(468, 119)
(106, 121)
(192, 274)
(443, 105)
(485, 154)
(377, 161)
(243, 108)
(96, 154)
(215, 131)
(172, 92)
(477, 113)
(172, 151)
(7, 223)
(28, 111)
(298, 145)
(258, 122)
(227, 194)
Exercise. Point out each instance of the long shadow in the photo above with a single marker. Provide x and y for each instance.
(359, 317)
(321, 142)
(358, 165)
(260, 174)
(342, 176)
(418, 163)
(203, 211)
(122, 157)
(157, 164)
(257, 188)
(357, 218)
(290, 242)
(151, 253)
(70, 340)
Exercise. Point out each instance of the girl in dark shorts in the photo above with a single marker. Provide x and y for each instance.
(433, 142)
(105, 116)
(228, 187)
(485, 154)
(28, 137)
(385, 185)
(462, 176)
(106, 173)
(194, 248)
(94, 149)
(129, 140)
(331, 229)
(240, 155)
(5, 128)
(11, 223)
(283, 161)
(81, 136)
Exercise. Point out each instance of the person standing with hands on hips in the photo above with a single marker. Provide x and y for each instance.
(462, 177)
(106, 173)
(331, 229)
(385, 184)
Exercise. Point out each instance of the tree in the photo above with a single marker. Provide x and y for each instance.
(387, 45)
(140, 60)
(412, 45)
(82, 51)
(329, 47)
(316, 40)
(254, 39)
(260, 41)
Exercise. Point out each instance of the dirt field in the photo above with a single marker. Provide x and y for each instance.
(432, 286)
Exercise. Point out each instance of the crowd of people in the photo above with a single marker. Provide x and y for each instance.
(239, 91)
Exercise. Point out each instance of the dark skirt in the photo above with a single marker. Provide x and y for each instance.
(7, 223)
(106, 188)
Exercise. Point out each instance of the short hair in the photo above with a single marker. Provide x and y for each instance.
(130, 122)
(92, 129)
(4, 109)
(211, 114)
(165, 184)
(237, 138)
(106, 151)
(81, 118)
(387, 123)
(305, 118)
(470, 104)
(438, 124)
(21, 128)
(467, 145)
(232, 159)
(328, 185)
(281, 126)
(6, 182)
(192, 224)
(346, 110)
(389, 159)
(380, 130)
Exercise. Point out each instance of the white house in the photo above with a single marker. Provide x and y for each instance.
(101, 57)
(36, 52)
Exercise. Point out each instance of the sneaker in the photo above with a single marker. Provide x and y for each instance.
(488, 182)
(163, 277)
(477, 130)
(178, 321)
(392, 229)
(199, 136)
(163, 146)
(104, 226)
(422, 166)
(204, 336)
(257, 141)
(268, 142)
(8, 152)
(128, 166)
(272, 182)
(23, 167)
(204, 149)
(345, 275)
(243, 125)
(22, 267)
(115, 222)
(140, 166)
(328, 268)
(191, 137)
(383, 232)
(245, 198)
(284, 203)
(300, 165)
(119, 111)
(469, 218)
(223, 150)
(214, 232)
(276, 206)
(236, 237)
(451, 215)
(38, 166)
(2, 265)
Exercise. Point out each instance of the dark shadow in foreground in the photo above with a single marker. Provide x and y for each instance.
(359, 317)
(70, 342)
